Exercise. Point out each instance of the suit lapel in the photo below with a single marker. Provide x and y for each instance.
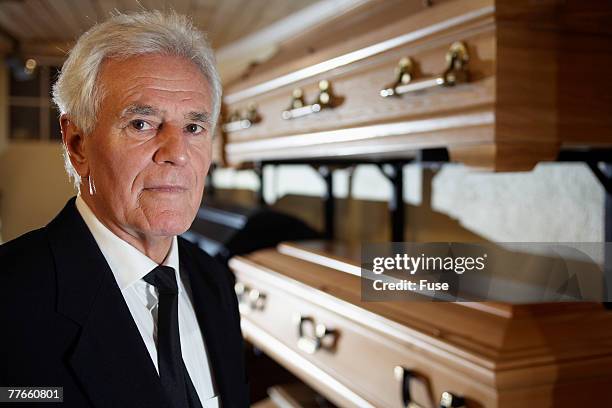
(212, 315)
(109, 359)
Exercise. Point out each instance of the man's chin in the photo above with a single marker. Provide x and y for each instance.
(168, 226)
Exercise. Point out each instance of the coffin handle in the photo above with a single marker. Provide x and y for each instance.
(242, 120)
(298, 107)
(450, 400)
(312, 342)
(456, 72)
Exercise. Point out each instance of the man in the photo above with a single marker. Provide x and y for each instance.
(106, 301)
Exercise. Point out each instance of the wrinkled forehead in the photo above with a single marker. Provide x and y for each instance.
(171, 79)
(152, 60)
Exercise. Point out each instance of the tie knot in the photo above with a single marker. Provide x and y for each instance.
(163, 278)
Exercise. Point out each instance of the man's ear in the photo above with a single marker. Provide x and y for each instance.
(74, 139)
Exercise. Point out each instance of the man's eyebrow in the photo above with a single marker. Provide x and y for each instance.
(146, 110)
(203, 117)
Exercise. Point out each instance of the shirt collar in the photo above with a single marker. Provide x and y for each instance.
(127, 263)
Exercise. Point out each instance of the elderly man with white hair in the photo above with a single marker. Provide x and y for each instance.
(107, 301)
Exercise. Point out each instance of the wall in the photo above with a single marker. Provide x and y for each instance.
(553, 203)
(33, 185)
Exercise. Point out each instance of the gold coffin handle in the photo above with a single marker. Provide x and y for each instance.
(299, 108)
(238, 120)
(456, 72)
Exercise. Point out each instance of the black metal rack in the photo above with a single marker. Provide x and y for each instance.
(392, 169)
(598, 160)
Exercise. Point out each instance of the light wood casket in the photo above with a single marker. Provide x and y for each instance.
(489, 354)
(531, 79)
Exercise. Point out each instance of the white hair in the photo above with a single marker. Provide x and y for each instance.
(77, 92)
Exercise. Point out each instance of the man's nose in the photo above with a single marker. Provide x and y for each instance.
(172, 147)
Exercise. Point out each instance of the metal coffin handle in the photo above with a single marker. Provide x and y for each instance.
(242, 120)
(450, 400)
(318, 338)
(249, 299)
(456, 72)
(298, 107)
(404, 376)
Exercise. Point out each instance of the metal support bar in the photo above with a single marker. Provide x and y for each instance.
(585, 155)
(259, 170)
(599, 162)
(603, 172)
(394, 172)
(425, 156)
(607, 171)
(329, 201)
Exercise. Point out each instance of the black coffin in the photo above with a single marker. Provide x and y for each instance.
(226, 229)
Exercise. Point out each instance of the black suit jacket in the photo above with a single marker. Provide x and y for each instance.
(64, 321)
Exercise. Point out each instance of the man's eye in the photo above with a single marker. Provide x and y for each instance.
(193, 128)
(141, 125)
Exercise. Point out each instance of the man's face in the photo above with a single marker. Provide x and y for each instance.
(151, 147)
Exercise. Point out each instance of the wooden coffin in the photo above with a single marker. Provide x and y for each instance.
(502, 84)
(302, 306)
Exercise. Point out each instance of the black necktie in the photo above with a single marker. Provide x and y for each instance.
(172, 371)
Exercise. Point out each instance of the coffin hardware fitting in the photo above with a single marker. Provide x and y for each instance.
(240, 120)
(249, 299)
(298, 107)
(316, 340)
(456, 72)
(450, 400)
(405, 376)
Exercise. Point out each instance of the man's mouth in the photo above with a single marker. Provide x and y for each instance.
(167, 188)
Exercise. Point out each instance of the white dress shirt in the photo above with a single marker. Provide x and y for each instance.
(129, 266)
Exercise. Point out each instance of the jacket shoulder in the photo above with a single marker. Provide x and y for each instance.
(26, 252)
(27, 270)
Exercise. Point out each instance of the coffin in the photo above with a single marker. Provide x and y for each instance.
(301, 304)
(502, 84)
